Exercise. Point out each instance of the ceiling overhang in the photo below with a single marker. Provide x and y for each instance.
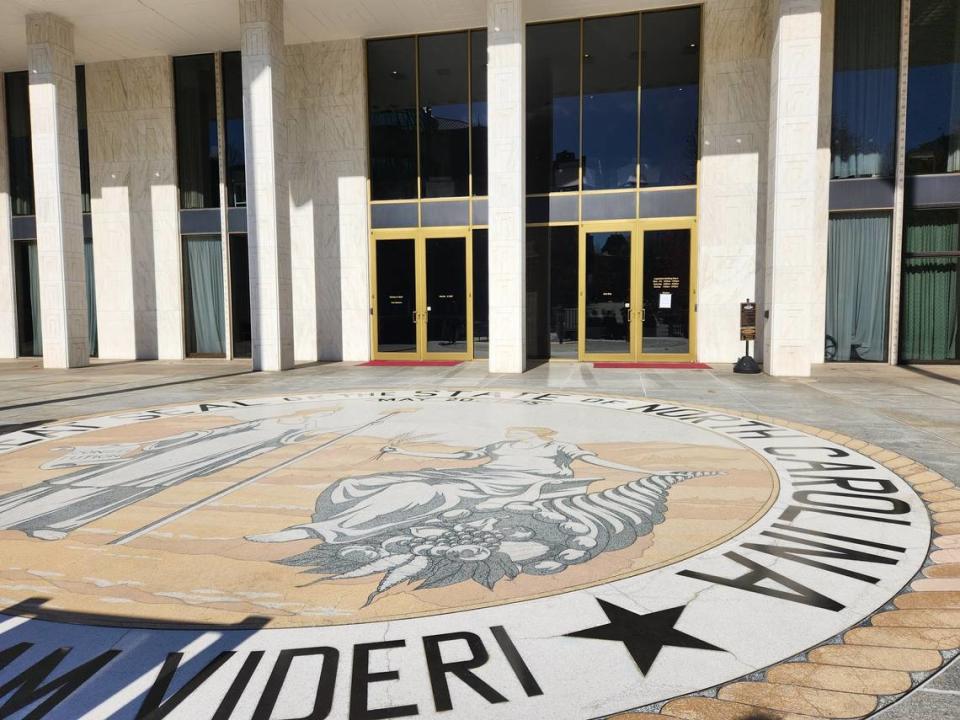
(123, 29)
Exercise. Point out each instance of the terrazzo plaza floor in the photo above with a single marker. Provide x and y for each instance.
(193, 540)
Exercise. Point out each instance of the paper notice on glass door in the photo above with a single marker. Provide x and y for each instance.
(666, 301)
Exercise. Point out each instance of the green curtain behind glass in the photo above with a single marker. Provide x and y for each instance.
(91, 296)
(930, 302)
(204, 276)
(35, 299)
(858, 271)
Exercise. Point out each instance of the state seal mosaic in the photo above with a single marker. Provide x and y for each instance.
(458, 553)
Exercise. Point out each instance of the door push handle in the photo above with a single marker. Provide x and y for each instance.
(643, 315)
(414, 316)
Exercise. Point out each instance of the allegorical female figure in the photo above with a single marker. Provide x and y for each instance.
(529, 465)
(118, 478)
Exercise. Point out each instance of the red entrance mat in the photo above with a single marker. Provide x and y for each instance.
(411, 363)
(652, 365)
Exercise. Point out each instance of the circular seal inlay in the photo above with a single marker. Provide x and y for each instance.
(533, 537)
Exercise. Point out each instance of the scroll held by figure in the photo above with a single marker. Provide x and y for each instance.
(112, 477)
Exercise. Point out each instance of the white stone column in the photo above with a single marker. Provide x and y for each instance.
(268, 208)
(329, 237)
(8, 300)
(56, 177)
(134, 204)
(507, 173)
(793, 209)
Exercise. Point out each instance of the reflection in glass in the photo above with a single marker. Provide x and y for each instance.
(538, 292)
(553, 107)
(446, 295)
(669, 98)
(552, 292)
(396, 296)
(481, 297)
(444, 115)
(18, 144)
(858, 277)
(610, 80)
(930, 304)
(196, 113)
(82, 138)
(866, 63)
(666, 292)
(91, 288)
(203, 288)
(27, 281)
(392, 87)
(933, 106)
(607, 297)
(564, 292)
(478, 109)
(234, 161)
(240, 296)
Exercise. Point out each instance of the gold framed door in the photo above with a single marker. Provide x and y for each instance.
(608, 253)
(638, 290)
(667, 291)
(446, 290)
(421, 294)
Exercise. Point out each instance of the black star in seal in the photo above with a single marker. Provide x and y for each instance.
(644, 635)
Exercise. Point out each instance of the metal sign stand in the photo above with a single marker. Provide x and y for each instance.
(748, 331)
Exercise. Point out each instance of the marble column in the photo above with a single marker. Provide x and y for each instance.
(56, 177)
(8, 300)
(268, 207)
(329, 238)
(507, 174)
(733, 170)
(135, 208)
(793, 208)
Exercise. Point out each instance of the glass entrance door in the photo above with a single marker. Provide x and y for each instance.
(395, 303)
(422, 296)
(447, 307)
(638, 291)
(607, 297)
(667, 292)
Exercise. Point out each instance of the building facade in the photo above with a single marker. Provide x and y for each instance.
(507, 180)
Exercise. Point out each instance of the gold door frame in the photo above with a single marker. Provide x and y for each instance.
(419, 238)
(637, 230)
(629, 226)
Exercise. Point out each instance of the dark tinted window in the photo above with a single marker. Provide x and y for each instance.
(240, 295)
(610, 80)
(478, 108)
(553, 107)
(392, 85)
(444, 115)
(18, 143)
(27, 286)
(233, 129)
(669, 100)
(552, 292)
(933, 108)
(481, 295)
(83, 138)
(866, 62)
(196, 113)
